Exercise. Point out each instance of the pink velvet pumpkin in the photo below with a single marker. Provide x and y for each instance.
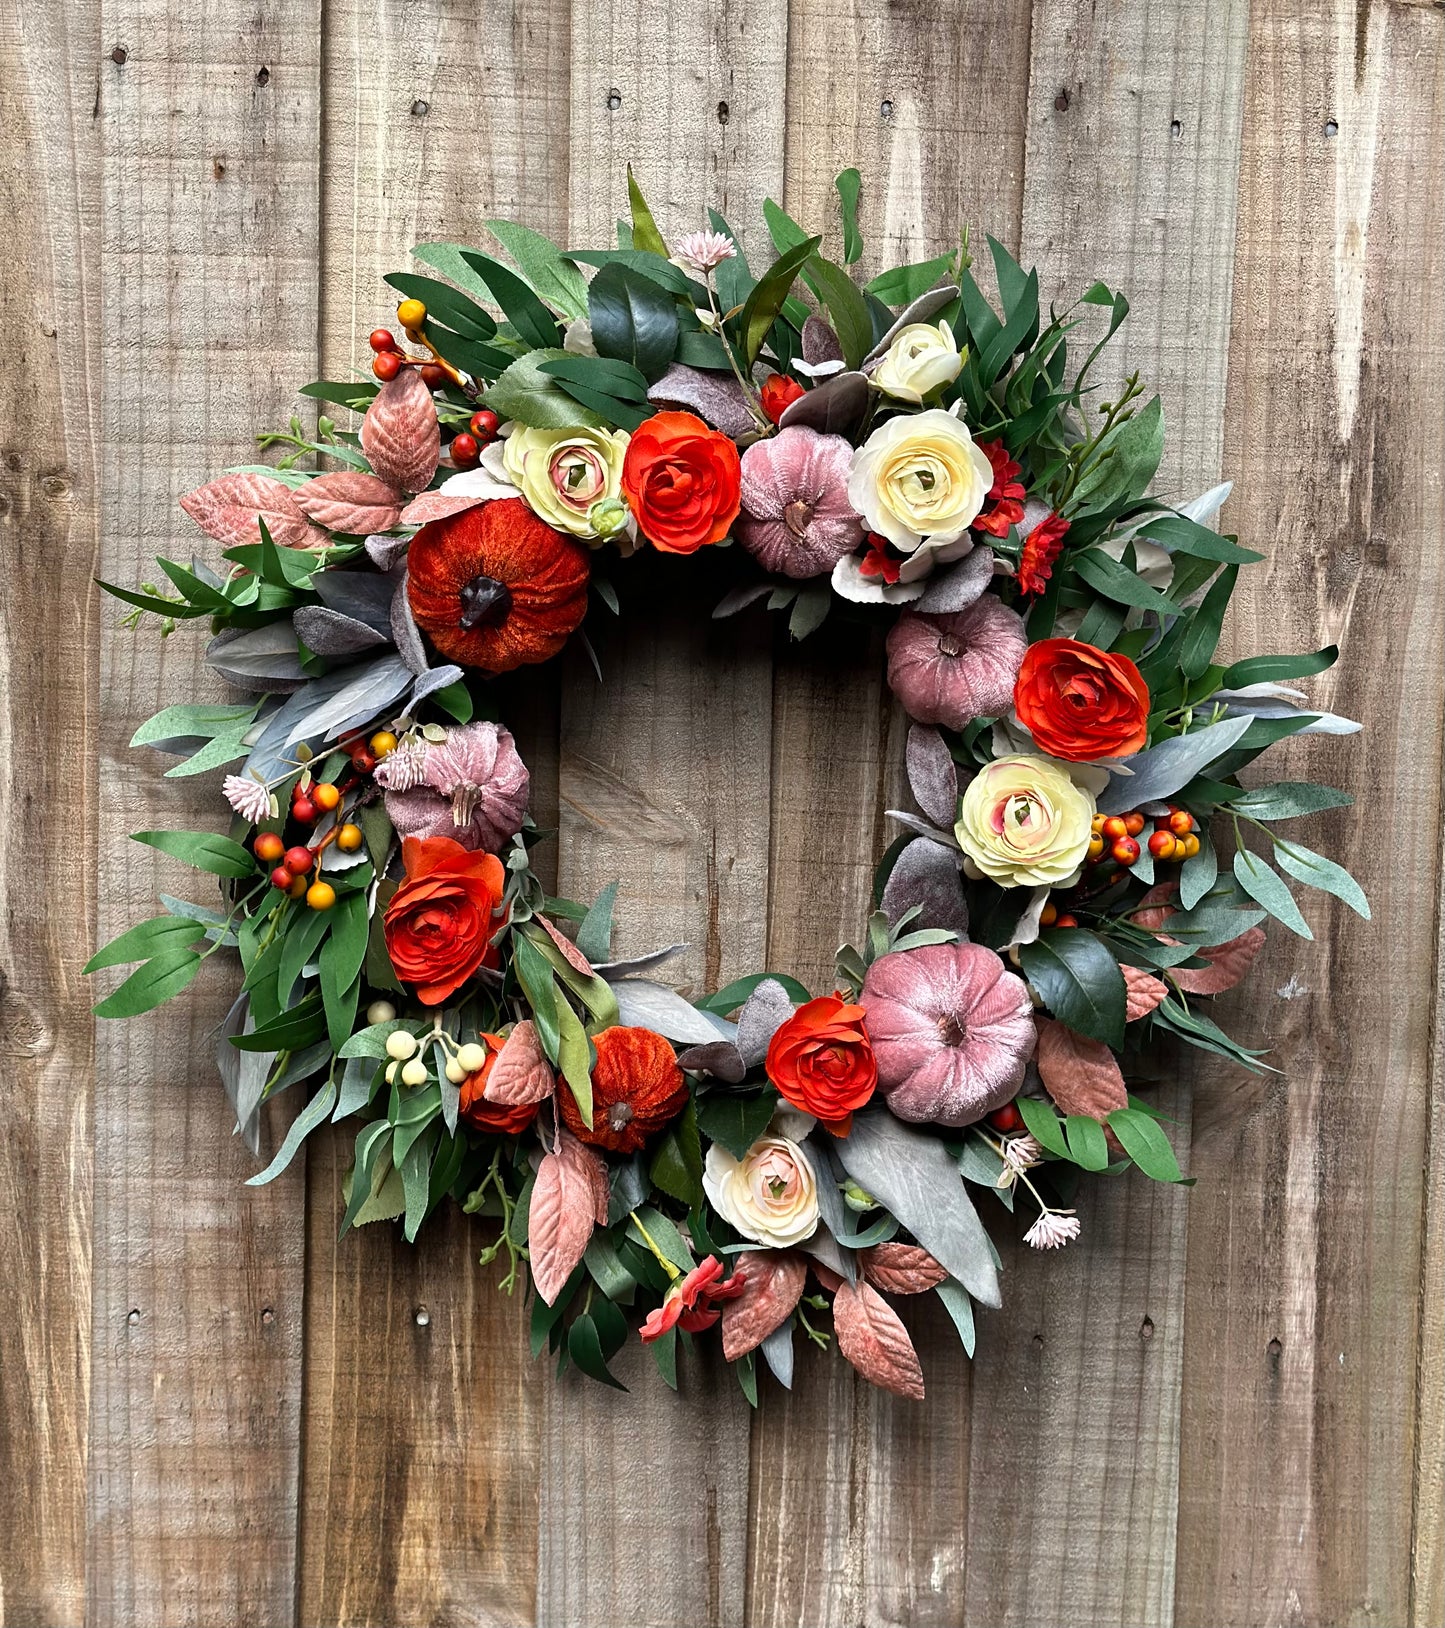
(951, 1028)
(796, 518)
(952, 669)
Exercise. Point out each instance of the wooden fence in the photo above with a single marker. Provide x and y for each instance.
(1223, 1407)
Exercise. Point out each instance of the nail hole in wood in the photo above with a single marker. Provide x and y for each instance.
(118, 55)
(218, 169)
(1061, 101)
(1175, 128)
(423, 1317)
(267, 1316)
(886, 110)
(1146, 1329)
(723, 113)
(1331, 128)
(420, 108)
(133, 1316)
(614, 99)
(1038, 1342)
(1274, 1348)
(263, 75)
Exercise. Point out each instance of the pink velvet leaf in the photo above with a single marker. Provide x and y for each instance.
(521, 1072)
(400, 435)
(231, 507)
(1228, 963)
(1081, 1075)
(350, 501)
(901, 1268)
(872, 1337)
(772, 1286)
(562, 1214)
(566, 948)
(1142, 992)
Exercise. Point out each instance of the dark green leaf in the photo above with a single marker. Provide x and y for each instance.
(446, 304)
(1079, 981)
(529, 396)
(540, 988)
(1145, 1144)
(544, 266)
(1179, 534)
(633, 320)
(848, 184)
(677, 1163)
(204, 850)
(903, 284)
(1274, 669)
(152, 983)
(735, 1122)
(766, 300)
(851, 322)
(1202, 638)
(533, 323)
(1119, 583)
(645, 234)
(145, 939)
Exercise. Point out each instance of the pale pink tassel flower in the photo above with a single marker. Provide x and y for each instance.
(1052, 1230)
(704, 251)
(250, 799)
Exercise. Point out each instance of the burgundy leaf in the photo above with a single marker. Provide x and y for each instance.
(926, 874)
(351, 501)
(521, 1072)
(901, 1268)
(932, 775)
(1155, 908)
(1142, 992)
(873, 1339)
(1228, 963)
(400, 434)
(772, 1287)
(562, 1214)
(1081, 1075)
(230, 508)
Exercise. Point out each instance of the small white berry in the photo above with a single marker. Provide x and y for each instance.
(414, 1072)
(472, 1057)
(400, 1044)
(455, 1072)
(391, 1069)
(380, 1012)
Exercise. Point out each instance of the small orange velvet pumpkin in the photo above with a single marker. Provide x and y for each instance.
(495, 587)
(637, 1091)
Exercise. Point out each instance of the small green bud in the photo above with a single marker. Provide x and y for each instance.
(857, 1199)
(608, 517)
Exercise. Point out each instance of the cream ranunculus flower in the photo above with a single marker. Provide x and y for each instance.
(919, 480)
(1024, 822)
(770, 1195)
(922, 358)
(563, 473)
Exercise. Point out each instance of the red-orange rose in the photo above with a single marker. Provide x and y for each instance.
(440, 921)
(500, 1118)
(637, 1090)
(822, 1061)
(682, 481)
(1080, 703)
(777, 394)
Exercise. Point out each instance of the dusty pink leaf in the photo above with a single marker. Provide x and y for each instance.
(230, 507)
(568, 950)
(1081, 1075)
(873, 1339)
(1228, 963)
(399, 434)
(825, 1274)
(901, 1268)
(1155, 908)
(562, 1215)
(1142, 992)
(421, 511)
(521, 1072)
(772, 1287)
(351, 501)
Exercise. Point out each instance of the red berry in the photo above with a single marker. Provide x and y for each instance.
(298, 860)
(1007, 1118)
(484, 425)
(1134, 823)
(1067, 921)
(386, 366)
(1125, 851)
(364, 759)
(281, 877)
(432, 376)
(1181, 822)
(268, 847)
(1161, 844)
(1114, 828)
(304, 810)
(381, 340)
(465, 451)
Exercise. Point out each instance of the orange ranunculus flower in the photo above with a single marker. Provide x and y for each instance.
(500, 1118)
(1080, 703)
(439, 924)
(822, 1061)
(778, 393)
(682, 481)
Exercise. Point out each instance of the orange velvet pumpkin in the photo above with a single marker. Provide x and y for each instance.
(637, 1091)
(495, 587)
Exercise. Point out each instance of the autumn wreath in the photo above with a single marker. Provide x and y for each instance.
(1073, 887)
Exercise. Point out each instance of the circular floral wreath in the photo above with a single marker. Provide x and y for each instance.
(1057, 901)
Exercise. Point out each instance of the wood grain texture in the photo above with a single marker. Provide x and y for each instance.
(209, 125)
(1133, 150)
(421, 1437)
(49, 537)
(1304, 1284)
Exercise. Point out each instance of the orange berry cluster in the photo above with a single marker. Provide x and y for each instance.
(1173, 838)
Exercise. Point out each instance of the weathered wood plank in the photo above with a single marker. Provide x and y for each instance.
(858, 1498)
(49, 537)
(422, 1406)
(664, 784)
(1305, 1293)
(209, 122)
(1134, 119)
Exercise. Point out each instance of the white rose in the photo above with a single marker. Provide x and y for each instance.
(770, 1195)
(922, 358)
(919, 480)
(564, 473)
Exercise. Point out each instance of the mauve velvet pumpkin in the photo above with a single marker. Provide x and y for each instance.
(952, 669)
(796, 517)
(951, 1028)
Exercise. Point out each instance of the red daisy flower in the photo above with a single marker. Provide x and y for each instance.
(1042, 547)
(1006, 494)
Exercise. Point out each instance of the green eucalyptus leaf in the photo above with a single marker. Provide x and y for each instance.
(1316, 871)
(1262, 884)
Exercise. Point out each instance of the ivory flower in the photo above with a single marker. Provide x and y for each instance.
(770, 1195)
(919, 480)
(1024, 823)
(924, 357)
(563, 473)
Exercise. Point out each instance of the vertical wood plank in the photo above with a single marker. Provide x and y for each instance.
(422, 1405)
(1133, 154)
(209, 121)
(858, 1499)
(1306, 1299)
(664, 784)
(49, 537)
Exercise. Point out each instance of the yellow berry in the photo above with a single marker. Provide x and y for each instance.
(1049, 915)
(400, 1044)
(1096, 845)
(382, 742)
(349, 839)
(321, 895)
(455, 1072)
(296, 888)
(411, 313)
(414, 1072)
(1097, 823)
(380, 1012)
(472, 1057)
(1191, 846)
(325, 797)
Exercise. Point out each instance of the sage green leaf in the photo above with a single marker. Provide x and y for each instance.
(1130, 457)
(1198, 874)
(1169, 766)
(146, 938)
(315, 1113)
(1079, 981)
(594, 936)
(524, 394)
(413, 1109)
(416, 1180)
(1261, 883)
(574, 1058)
(1316, 871)
(1289, 799)
(154, 982)
(204, 850)
(960, 1308)
(543, 265)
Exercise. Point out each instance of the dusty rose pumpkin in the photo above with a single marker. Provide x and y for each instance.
(796, 517)
(495, 587)
(952, 669)
(952, 1029)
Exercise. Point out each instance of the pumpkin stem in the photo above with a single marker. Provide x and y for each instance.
(485, 602)
(797, 515)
